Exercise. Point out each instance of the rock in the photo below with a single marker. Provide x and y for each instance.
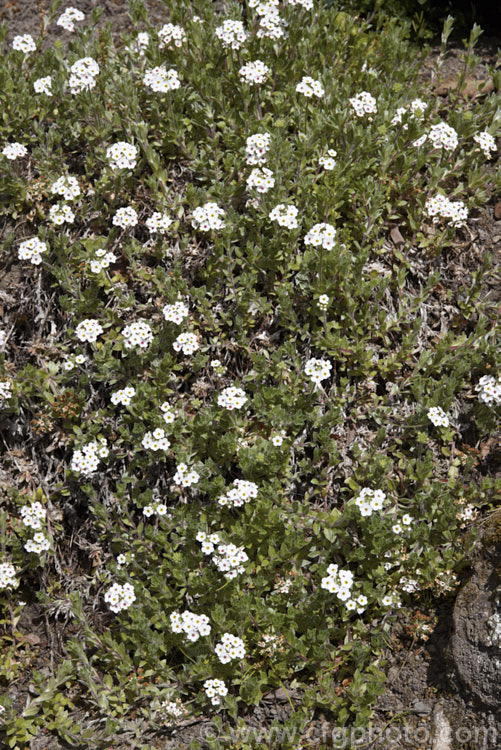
(421, 708)
(497, 210)
(442, 735)
(475, 646)
(470, 88)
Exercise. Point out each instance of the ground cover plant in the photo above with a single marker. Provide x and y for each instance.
(246, 382)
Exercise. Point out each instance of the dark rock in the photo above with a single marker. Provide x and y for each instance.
(475, 646)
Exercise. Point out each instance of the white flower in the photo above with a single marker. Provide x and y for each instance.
(322, 235)
(32, 515)
(232, 398)
(156, 440)
(207, 217)
(486, 143)
(123, 396)
(489, 390)
(120, 597)
(7, 575)
(32, 249)
(215, 690)
(43, 85)
(242, 492)
(440, 206)
(14, 150)
(231, 647)
(122, 155)
(443, 135)
(285, 216)
(171, 33)
(318, 369)
(191, 624)
(257, 147)
(187, 342)
(328, 162)
(323, 301)
(61, 213)
(438, 416)
(363, 103)
(158, 223)
(254, 72)
(68, 18)
(261, 180)
(24, 43)
(83, 75)
(310, 87)
(88, 330)
(185, 478)
(66, 186)
(125, 217)
(161, 80)
(176, 313)
(86, 460)
(370, 500)
(232, 34)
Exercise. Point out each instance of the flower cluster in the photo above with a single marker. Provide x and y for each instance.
(124, 396)
(83, 75)
(442, 135)
(68, 18)
(318, 370)
(231, 647)
(229, 560)
(175, 313)
(24, 43)
(125, 217)
(138, 334)
(159, 508)
(66, 186)
(322, 235)
(38, 544)
(171, 33)
(88, 330)
(122, 155)
(416, 110)
(340, 582)
(370, 500)
(33, 515)
(191, 624)
(261, 180)
(32, 250)
(306, 4)
(486, 143)
(328, 162)
(256, 148)
(207, 541)
(285, 216)
(139, 46)
(254, 72)
(323, 301)
(439, 206)
(438, 416)
(86, 460)
(241, 493)
(185, 478)
(61, 213)
(215, 690)
(156, 440)
(232, 34)
(14, 150)
(270, 23)
(5, 390)
(43, 85)
(120, 597)
(489, 390)
(406, 519)
(232, 398)
(363, 103)
(187, 342)
(161, 80)
(102, 260)
(158, 223)
(207, 217)
(7, 575)
(310, 87)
